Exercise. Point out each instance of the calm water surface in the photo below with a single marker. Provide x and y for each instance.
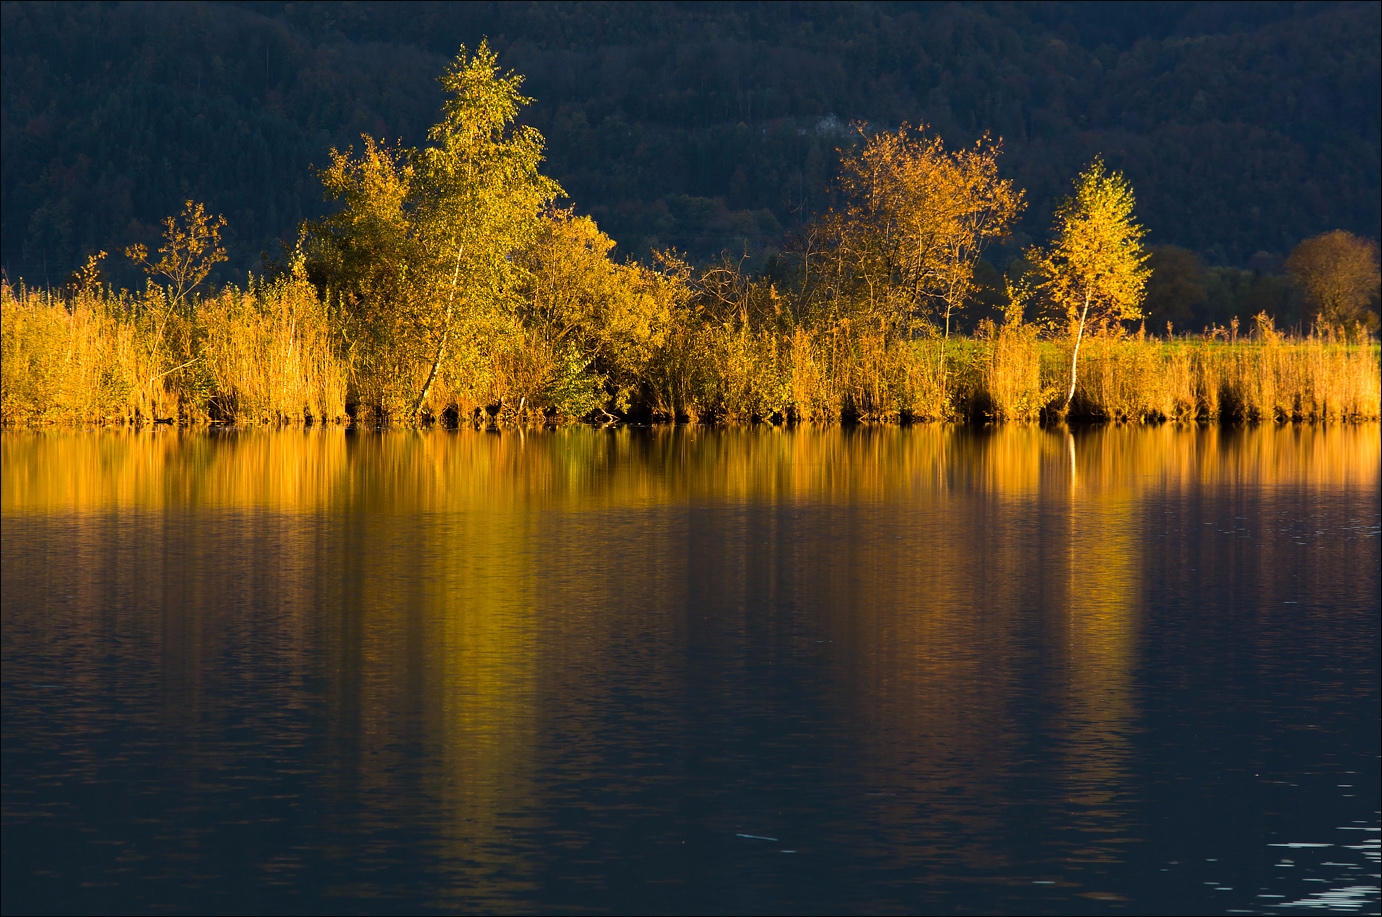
(689, 670)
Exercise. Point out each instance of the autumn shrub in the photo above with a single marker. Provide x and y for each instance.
(747, 372)
(596, 325)
(676, 374)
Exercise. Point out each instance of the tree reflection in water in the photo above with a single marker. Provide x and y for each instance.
(549, 670)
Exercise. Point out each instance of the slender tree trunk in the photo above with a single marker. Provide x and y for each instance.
(1075, 355)
(945, 340)
(445, 335)
(950, 302)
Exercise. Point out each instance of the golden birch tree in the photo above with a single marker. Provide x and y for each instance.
(1095, 271)
(422, 252)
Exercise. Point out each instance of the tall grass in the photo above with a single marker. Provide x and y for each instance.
(73, 361)
(736, 373)
(1314, 379)
(1009, 381)
(269, 355)
(95, 356)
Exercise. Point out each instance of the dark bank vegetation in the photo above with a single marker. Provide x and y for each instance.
(450, 285)
(1245, 127)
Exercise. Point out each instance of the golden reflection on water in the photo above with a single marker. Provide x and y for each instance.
(467, 597)
(407, 472)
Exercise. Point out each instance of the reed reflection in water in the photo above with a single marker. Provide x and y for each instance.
(1014, 670)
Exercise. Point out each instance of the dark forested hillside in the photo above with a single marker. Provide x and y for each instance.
(1243, 127)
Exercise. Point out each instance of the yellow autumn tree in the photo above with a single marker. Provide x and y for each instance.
(191, 249)
(1095, 271)
(902, 252)
(422, 254)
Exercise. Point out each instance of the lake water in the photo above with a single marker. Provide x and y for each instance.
(689, 670)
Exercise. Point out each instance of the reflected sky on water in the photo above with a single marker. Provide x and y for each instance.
(684, 670)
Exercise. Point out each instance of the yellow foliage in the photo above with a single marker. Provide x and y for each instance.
(1095, 271)
(590, 313)
(918, 218)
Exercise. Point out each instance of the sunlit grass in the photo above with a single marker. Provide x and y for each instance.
(96, 357)
(269, 355)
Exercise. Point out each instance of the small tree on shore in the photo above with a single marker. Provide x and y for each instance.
(1339, 272)
(1096, 269)
(191, 248)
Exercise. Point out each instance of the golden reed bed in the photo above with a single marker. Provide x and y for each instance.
(268, 356)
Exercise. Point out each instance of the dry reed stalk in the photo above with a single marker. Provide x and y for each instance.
(68, 360)
(269, 358)
(1121, 381)
(1008, 385)
(932, 391)
(811, 389)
